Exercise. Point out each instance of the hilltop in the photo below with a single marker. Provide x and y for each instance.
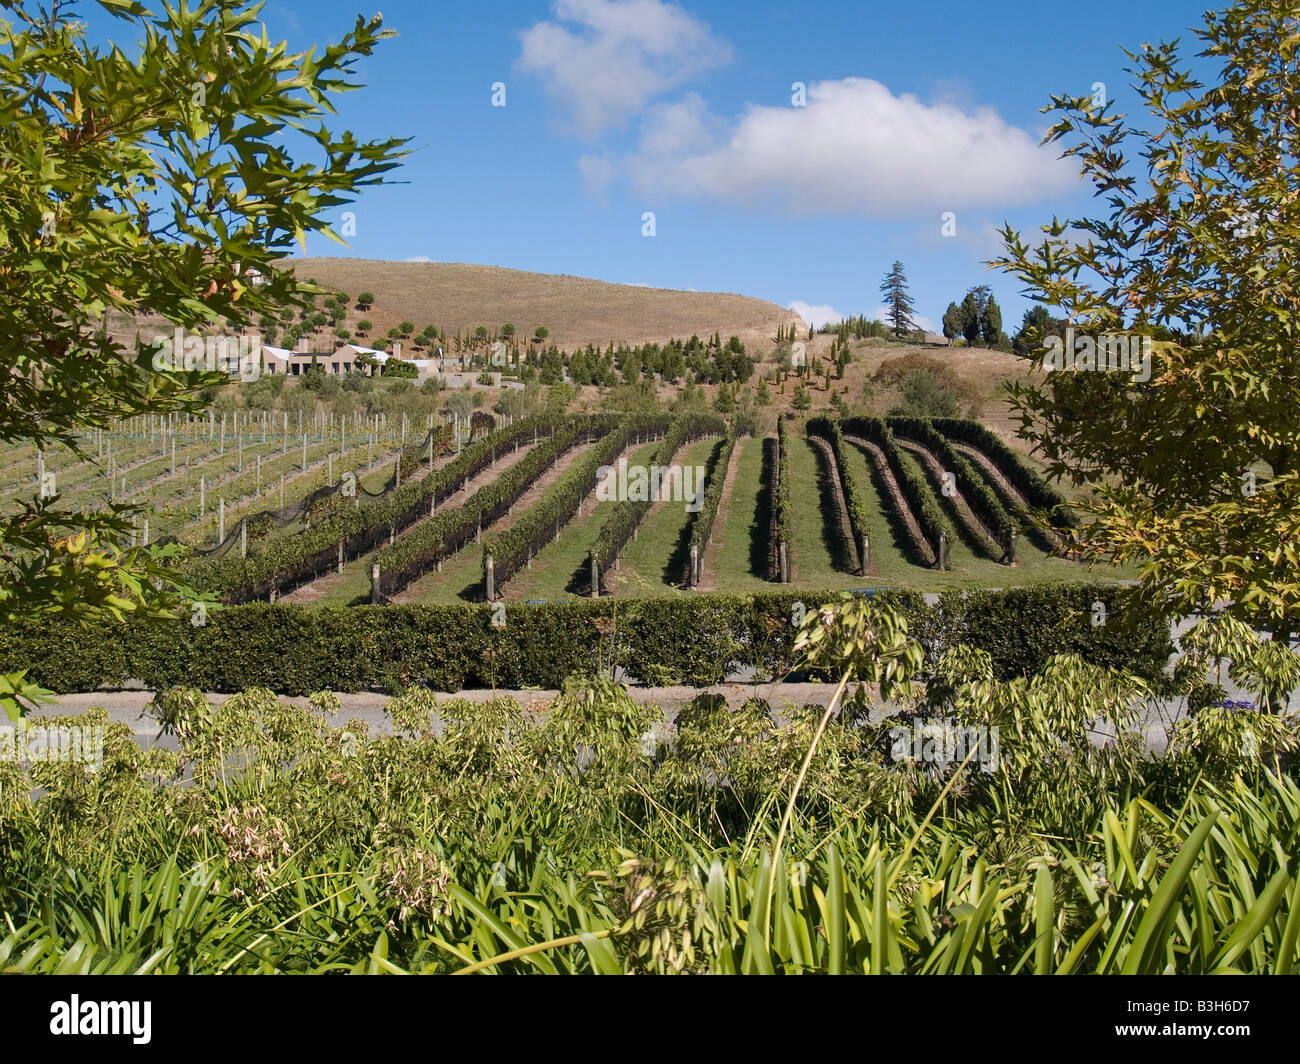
(576, 310)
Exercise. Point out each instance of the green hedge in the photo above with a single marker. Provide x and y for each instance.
(284, 562)
(981, 498)
(855, 497)
(916, 492)
(702, 639)
(626, 515)
(1022, 476)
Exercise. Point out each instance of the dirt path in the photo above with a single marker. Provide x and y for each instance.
(323, 586)
(977, 529)
(421, 587)
(1010, 493)
(709, 563)
(901, 508)
(837, 492)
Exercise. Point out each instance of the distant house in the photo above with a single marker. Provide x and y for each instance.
(422, 365)
(341, 360)
(296, 363)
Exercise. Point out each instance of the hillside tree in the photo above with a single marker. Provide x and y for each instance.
(1196, 471)
(146, 180)
(898, 302)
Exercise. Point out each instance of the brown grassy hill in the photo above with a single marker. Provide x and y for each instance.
(576, 310)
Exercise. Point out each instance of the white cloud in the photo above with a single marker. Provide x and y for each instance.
(816, 315)
(856, 148)
(418, 258)
(616, 56)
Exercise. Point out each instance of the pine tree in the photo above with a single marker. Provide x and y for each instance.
(898, 302)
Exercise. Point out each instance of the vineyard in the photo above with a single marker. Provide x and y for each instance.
(318, 510)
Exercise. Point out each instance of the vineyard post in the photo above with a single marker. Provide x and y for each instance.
(943, 550)
(202, 495)
(489, 577)
(375, 597)
(221, 520)
(595, 578)
(866, 553)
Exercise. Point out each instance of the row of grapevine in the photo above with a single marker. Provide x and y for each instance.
(512, 549)
(916, 492)
(782, 510)
(1022, 477)
(284, 562)
(974, 488)
(855, 495)
(707, 515)
(628, 514)
(411, 556)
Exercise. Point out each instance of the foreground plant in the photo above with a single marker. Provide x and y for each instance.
(158, 178)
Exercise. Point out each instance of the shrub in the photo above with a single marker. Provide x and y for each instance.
(701, 639)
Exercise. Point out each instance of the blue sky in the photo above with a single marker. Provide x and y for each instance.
(618, 107)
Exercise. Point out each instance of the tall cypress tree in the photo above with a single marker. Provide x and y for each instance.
(898, 302)
(970, 317)
(991, 325)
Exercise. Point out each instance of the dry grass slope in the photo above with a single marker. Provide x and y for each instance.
(576, 310)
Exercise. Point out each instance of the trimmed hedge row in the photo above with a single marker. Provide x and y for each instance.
(285, 561)
(627, 514)
(296, 650)
(974, 488)
(412, 555)
(855, 498)
(916, 492)
(1022, 476)
(511, 548)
